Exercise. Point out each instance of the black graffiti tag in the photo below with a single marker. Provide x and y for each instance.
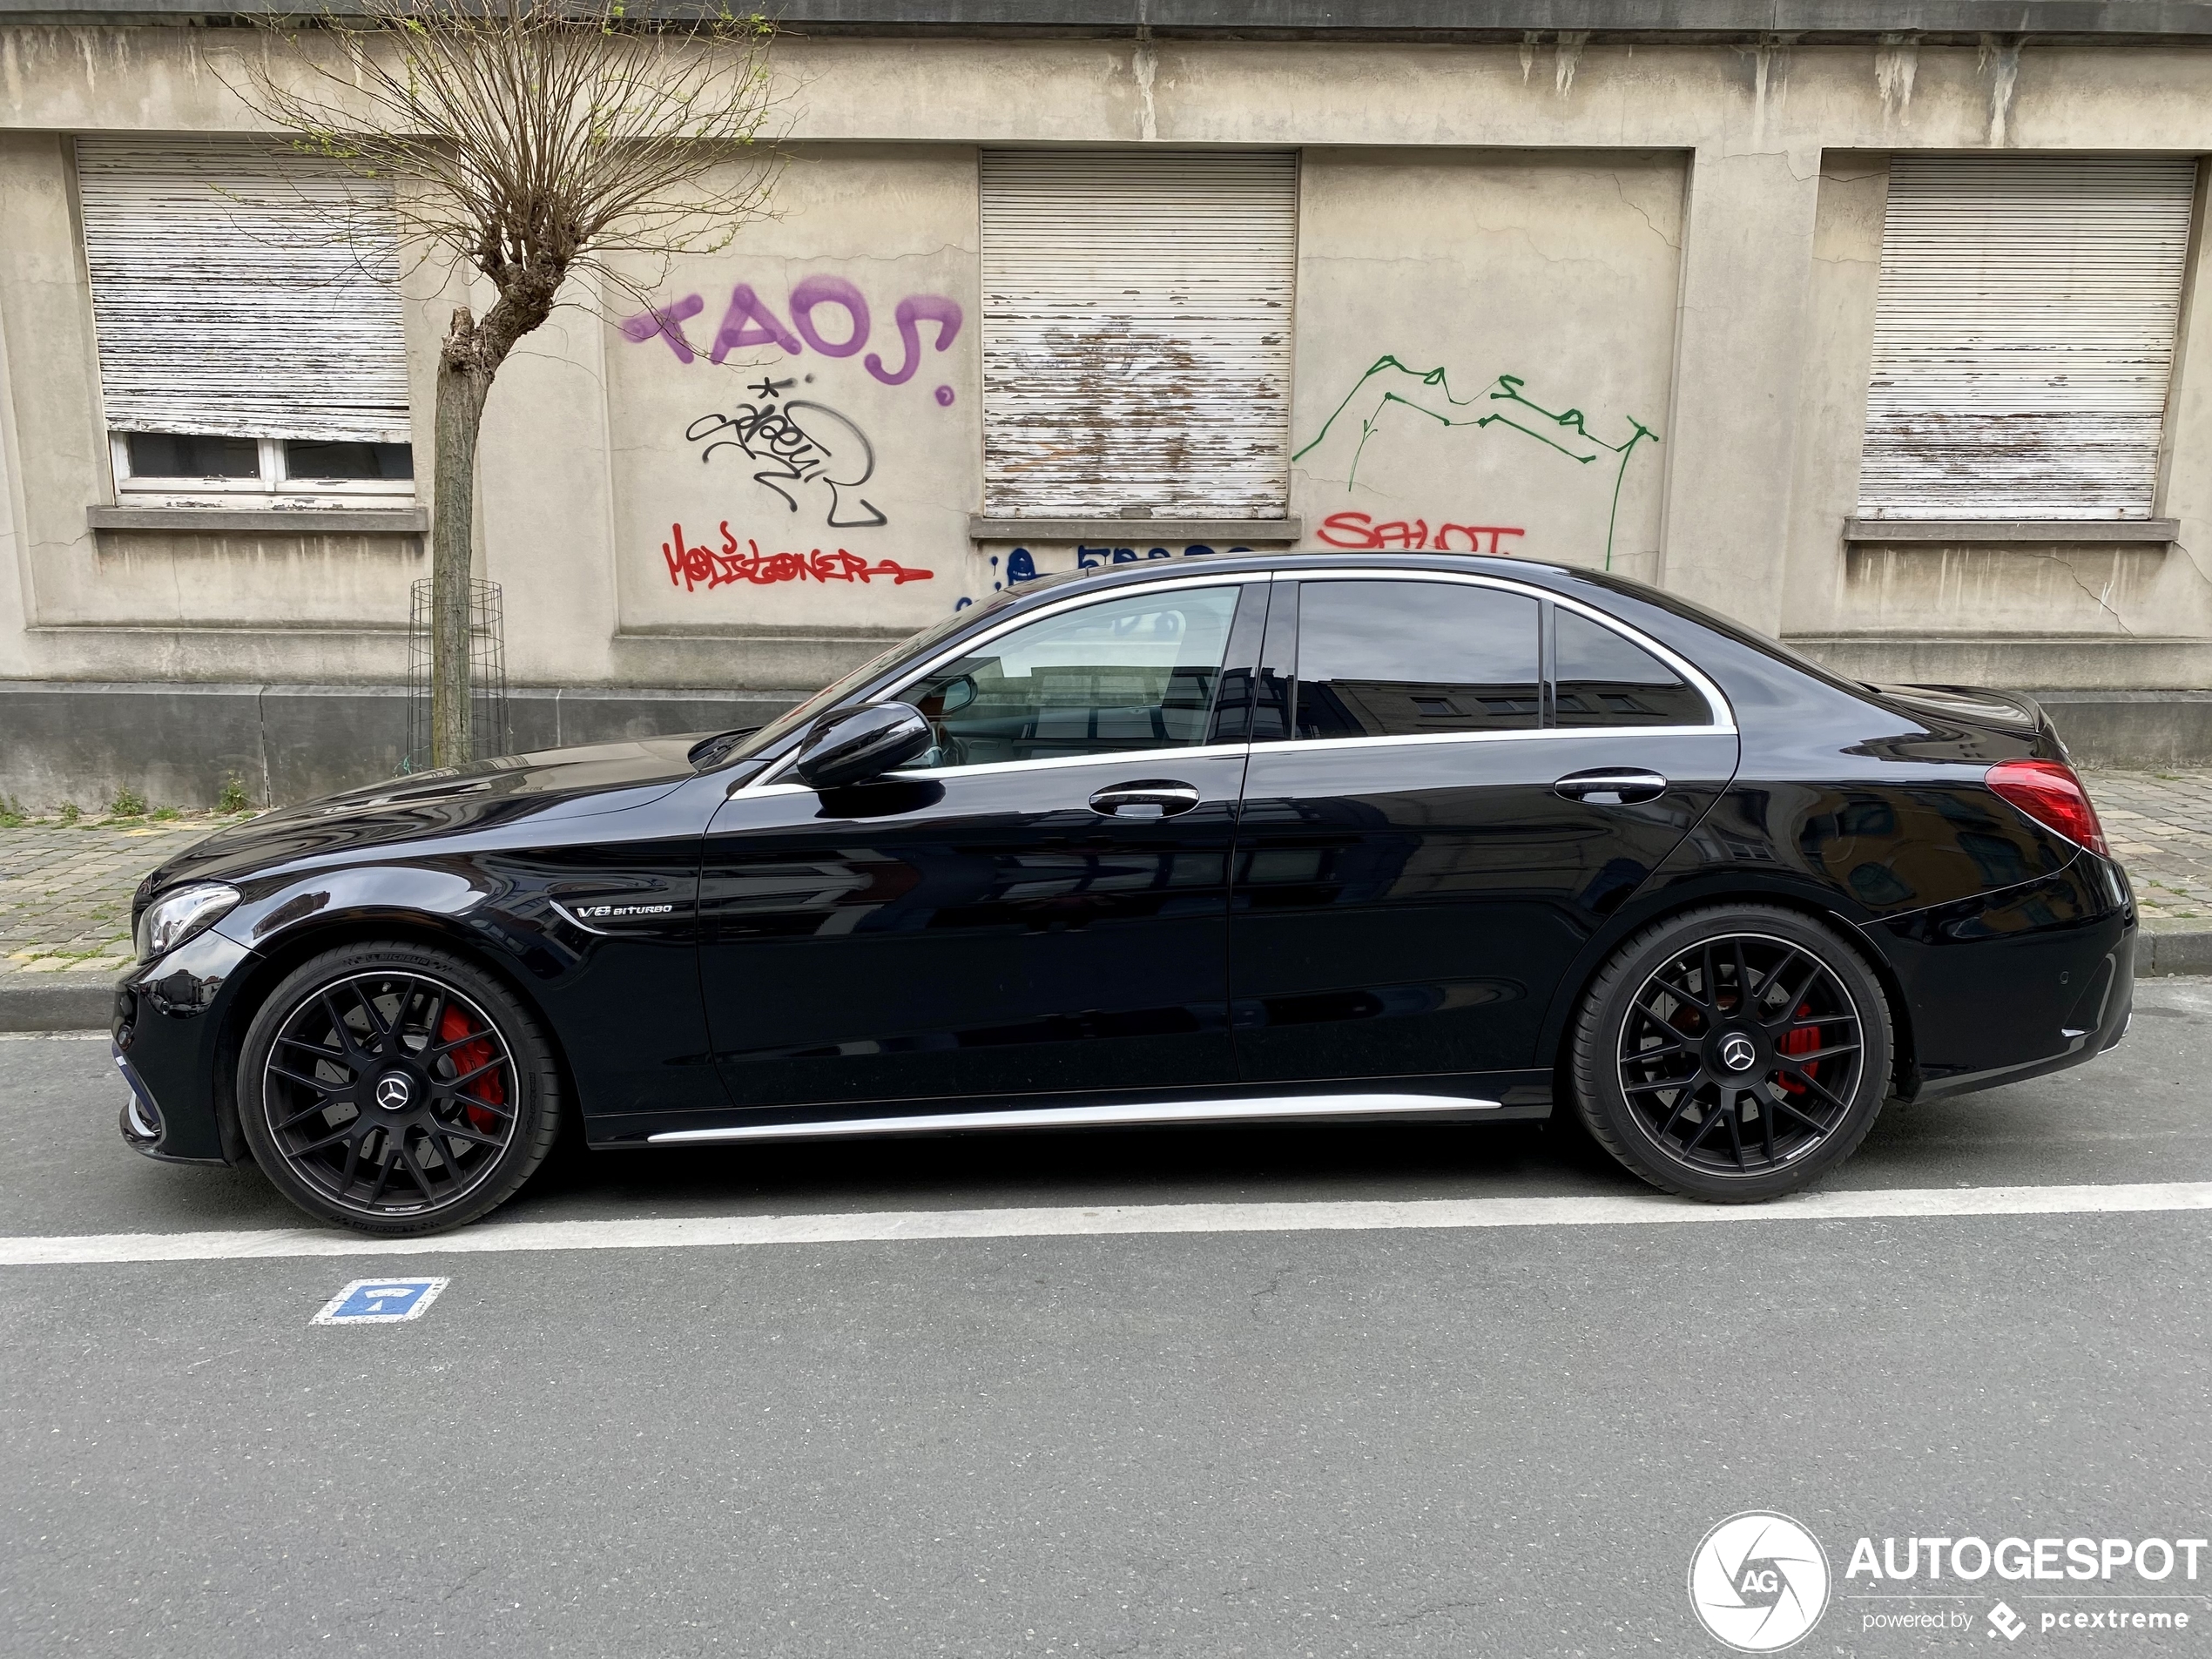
(797, 442)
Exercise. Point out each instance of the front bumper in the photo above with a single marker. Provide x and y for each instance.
(166, 1041)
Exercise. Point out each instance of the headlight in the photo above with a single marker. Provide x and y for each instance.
(168, 922)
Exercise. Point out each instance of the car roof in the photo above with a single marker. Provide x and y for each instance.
(1137, 571)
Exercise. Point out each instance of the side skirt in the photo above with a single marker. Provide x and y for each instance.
(1346, 1107)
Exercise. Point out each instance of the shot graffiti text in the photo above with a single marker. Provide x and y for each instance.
(1360, 530)
(693, 566)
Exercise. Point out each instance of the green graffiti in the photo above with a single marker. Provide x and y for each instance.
(1566, 431)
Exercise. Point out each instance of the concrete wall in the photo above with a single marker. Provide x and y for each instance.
(1453, 309)
(1656, 265)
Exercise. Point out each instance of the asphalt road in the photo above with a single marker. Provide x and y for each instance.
(1423, 1442)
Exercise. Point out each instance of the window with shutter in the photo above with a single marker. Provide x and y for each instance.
(1136, 332)
(248, 319)
(2023, 336)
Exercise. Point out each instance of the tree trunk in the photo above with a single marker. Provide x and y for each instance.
(462, 388)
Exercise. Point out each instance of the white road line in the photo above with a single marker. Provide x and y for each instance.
(1073, 1221)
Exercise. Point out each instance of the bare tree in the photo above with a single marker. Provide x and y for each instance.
(530, 141)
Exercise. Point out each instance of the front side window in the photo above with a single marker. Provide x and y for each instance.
(1602, 678)
(1132, 673)
(1386, 659)
(246, 304)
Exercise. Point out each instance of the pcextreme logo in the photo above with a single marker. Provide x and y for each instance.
(1758, 1581)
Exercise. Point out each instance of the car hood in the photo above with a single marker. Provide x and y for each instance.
(562, 783)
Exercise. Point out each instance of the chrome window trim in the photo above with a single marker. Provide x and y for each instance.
(1724, 723)
(1724, 711)
(1115, 757)
(1517, 734)
(764, 781)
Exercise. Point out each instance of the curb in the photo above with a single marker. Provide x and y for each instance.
(91, 1007)
(85, 1006)
(2160, 954)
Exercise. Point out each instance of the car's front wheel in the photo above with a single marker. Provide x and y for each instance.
(1733, 1054)
(397, 1088)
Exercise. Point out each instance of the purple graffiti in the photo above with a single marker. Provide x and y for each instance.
(829, 291)
(667, 322)
(749, 322)
(936, 307)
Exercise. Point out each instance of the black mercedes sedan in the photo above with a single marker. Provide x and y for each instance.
(1313, 836)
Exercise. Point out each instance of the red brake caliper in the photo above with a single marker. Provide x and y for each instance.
(469, 1055)
(1796, 1044)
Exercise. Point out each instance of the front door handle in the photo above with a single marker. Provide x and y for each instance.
(1147, 798)
(1605, 786)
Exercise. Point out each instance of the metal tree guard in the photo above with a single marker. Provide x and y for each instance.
(488, 733)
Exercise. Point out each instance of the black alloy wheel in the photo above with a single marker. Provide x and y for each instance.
(1733, 1054)
(397, 1088)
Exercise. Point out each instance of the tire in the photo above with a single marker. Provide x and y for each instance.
(397, 1090)
(1732, 1054)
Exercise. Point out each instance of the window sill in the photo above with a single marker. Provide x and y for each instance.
(1125, 531)
(308, 520)
(2011, 529)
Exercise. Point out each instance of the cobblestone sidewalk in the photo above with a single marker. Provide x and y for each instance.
(65, 890)
(2160, 825)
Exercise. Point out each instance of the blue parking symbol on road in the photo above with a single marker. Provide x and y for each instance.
(381, 1301)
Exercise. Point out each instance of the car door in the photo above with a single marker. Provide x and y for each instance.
(1039, 906)
(1473, 776)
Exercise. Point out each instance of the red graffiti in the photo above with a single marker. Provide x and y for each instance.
(1358, 530)
(692, 568)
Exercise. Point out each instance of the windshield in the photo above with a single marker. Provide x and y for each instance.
(835, 692)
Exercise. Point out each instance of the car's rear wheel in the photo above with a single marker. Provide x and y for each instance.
(1733, 1054)
(397, 1088)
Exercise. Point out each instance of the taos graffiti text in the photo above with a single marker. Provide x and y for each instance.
(1360, 530)
(693, 566)
(750, 322)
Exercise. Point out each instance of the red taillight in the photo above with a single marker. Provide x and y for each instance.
(2053, 796)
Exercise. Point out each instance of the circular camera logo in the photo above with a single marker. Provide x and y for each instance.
(1758, 1581)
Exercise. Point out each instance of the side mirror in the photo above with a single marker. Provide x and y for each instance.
(860, 744)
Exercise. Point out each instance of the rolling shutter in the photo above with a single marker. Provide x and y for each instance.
(241, 292)
(1136, 332)
(2023, 336)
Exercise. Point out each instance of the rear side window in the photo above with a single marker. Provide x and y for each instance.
(1601, 678)
(1386, 659)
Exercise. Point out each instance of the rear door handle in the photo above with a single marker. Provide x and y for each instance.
(1147, 798)
(1605, 786)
